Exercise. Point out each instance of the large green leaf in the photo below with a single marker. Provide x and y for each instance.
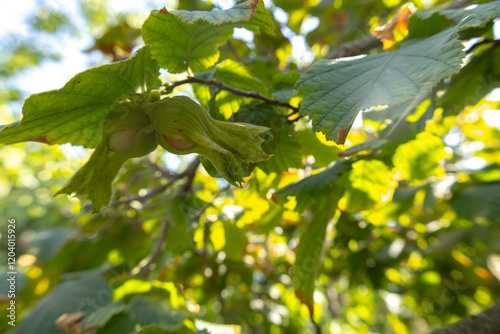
(251, 14)
(475, 201)
(478, 78)
(288, 154)
(309, 253)
(336, 90)
(155, 311)
(236, 75)
(308, 188)
(75, 113)
(178, 45)
(420, 158)
(264, 115)
(368, 184)
(182, 40)
(475, 16)
(80, 295)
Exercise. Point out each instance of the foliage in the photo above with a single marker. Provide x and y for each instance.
(273, 227)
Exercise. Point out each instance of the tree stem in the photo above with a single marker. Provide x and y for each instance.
(236, 91)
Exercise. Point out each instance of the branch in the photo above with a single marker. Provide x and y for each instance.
(201, 211)
(370, 42)
(146, 197)
(486, 322)
(233, 90)
(317, 328)
(189, 172)
(355, 48)
(495, 42)
(155, 254)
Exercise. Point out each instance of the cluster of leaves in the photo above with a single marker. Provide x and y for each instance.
(398, 237)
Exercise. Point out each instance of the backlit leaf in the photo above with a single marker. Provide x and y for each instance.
(336, 90)
(183, 39)
(420, 158)
(368, 184)
(309, 253)
(75, 113)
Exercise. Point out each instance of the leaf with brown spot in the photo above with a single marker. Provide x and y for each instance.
(399, 22)
(253, 5)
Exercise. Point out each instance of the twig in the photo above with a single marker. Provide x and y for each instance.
(146, 197)
(233, 90)
(402, 118)
(233, 51)
(198, 213)
(316, 326)
(483, 42)
(155, 254)
(355, 48)
(333, 301)
(370, 42)
(190, 172)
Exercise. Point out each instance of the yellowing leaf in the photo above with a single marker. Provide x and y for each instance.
(399, 21)
(420, 158)
(368, 184)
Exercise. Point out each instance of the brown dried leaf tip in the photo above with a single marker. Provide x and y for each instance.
(253, 5)
(341, 137)
(72, 323)
(164, 11)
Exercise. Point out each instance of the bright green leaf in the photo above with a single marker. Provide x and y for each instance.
(288, 154)
(178, 45)
(76, 113)
(155, 311)
(420, 158)
(369, 183)
(237, 75)
(309, 253)
(103, 314)
(183, 39)
(309, 187)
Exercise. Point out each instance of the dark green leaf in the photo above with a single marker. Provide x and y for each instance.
(336, 90)
(81, 295)
(154, 311)
(309, 253)
(478, 78)
(477, 201)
